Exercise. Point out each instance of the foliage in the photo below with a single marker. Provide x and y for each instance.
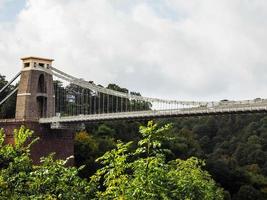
(140, 174)
(234, 147)
(97, 139)
(20, 179)
(87, 149)
(145, 174)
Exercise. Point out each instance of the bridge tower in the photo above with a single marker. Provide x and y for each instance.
(35, 98)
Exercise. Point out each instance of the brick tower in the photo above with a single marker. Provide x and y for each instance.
(35, 98)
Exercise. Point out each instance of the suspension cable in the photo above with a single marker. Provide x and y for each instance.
(94, 87)
(10, 82)
(7, 97)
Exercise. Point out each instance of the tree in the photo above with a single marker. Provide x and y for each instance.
(126, 173)
(145, 174)
(87, 148)
(247, 192)
(104, 130)
(20, 179)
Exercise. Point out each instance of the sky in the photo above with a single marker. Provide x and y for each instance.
(173, 49)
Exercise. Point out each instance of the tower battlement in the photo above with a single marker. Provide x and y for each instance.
(37, 63)
(35, 98)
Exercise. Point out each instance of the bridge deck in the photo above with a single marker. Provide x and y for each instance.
(155, 114)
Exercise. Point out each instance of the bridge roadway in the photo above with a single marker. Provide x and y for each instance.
(150, 114)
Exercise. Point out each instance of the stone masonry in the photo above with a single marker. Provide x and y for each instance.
(36, 99)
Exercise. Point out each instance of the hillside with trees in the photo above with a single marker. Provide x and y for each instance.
(233, 147)
(125, 173)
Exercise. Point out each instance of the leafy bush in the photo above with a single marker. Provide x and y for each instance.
(20, 179)
(142, 173)
(145, 174)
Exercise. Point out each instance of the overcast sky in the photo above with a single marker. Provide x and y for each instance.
(175, 49)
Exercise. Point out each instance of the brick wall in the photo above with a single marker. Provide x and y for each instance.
(59, 141)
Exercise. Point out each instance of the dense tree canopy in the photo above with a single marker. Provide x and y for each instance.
(20, 179)
(234, 147)
(125, 173)
(145, 173)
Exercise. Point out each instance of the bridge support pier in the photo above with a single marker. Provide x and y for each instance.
(59, 141)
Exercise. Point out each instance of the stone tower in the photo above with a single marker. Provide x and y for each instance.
(35, 98)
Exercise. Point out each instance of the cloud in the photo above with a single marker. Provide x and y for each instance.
(2, 3)
(210, 49)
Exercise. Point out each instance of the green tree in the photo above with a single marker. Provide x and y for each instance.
(141, 173)
(247, 192)
(87, 148)
(145, 173)
(20, 179)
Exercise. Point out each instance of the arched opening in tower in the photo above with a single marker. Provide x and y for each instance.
(41, 84)
(42, 106)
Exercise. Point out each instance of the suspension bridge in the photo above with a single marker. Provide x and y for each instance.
(54, 97)
(52, 103)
